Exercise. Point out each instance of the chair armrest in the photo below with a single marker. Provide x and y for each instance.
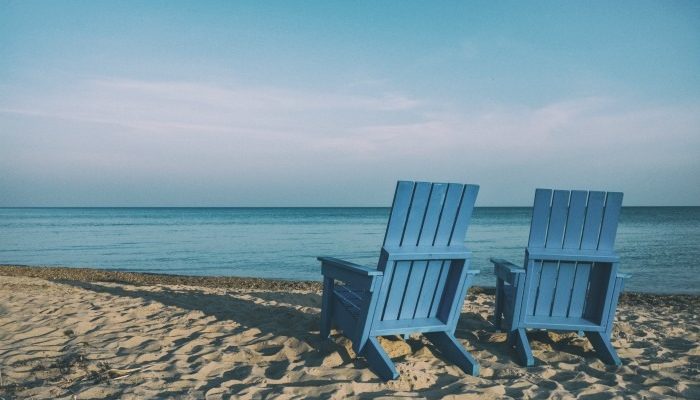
(571, 255)
(357, 275)
(413, 253)
(622, 275)
(348, 266)
(506, 270)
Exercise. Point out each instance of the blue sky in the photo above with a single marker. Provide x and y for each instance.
(329, 103)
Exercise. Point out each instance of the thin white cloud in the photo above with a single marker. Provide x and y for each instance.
(186, 106)
(248, 98)
(203, 132)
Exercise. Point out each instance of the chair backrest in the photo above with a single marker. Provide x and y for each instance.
(424, 216)
(429, 214)
(576, 219)
(570, 258)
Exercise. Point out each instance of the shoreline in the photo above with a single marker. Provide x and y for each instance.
(53, 273)
(146, 278)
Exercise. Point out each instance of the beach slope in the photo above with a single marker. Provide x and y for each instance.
(94, 334)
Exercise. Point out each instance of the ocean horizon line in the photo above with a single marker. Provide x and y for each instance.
(287, 207)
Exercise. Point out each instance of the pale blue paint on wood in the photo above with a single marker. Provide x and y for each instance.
(439, 288)
(425, 299)
(419, 284)
(580, 287)
(453, 198)
(396, 290)
(532, 280)
(416, 214)
(413, 289)
(613, 205)
(540, 218)
(464, 215)
(432, 215)
(564, 284)
(545, 288)
(575, 219)
(399, 212)
(594, 218)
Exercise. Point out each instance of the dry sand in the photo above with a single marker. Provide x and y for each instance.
(83, 339)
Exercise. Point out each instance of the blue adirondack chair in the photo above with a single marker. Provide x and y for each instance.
(420, 281)
(570, 281)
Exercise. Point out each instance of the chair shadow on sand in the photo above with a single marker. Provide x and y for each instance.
(300, 313)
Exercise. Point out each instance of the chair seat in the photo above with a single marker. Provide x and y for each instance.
(351, 298)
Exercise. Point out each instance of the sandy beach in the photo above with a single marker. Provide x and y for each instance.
(86, 334)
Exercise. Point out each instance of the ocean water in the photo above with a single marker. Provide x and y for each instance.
(659, 246)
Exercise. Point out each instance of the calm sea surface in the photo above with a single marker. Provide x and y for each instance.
(659, 246)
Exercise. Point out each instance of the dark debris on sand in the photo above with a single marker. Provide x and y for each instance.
(139, 278)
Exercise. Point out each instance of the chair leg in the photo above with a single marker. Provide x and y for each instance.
(510, 339)
(601, 344)
(522, 347)
(379, 361)
(498, 314)
(453, 351)
(326, 308)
